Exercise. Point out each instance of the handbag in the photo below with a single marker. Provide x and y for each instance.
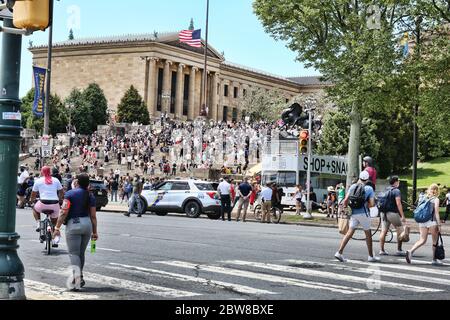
(439, 252)
(343, 224)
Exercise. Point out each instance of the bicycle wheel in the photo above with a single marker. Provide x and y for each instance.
(257, 212)
(48, 242)
(276, 215)
(361, 235)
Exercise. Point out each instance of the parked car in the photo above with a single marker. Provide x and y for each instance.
(100, 192)
(192, 197)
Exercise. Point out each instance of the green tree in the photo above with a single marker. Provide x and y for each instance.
(58, 115)
(132, 108)
(261, 104)
(80, 112)
(191, 24)
(337, 38)
(96, 101)
(71, 37)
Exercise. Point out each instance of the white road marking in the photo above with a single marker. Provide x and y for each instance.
(266, 277)
(43, 291)
(383, 273)
(186, 278)
(421, 262)
(127, 284)
(332, 275)
(407, 267)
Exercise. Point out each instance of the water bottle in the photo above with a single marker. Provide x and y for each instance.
(93, 246)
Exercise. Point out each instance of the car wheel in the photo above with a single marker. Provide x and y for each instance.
(192, 209)
(214, 215)
(140, 206)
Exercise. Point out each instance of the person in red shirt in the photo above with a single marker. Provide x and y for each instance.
(368, 166)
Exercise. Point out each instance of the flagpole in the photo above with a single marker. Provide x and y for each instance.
(204, 106)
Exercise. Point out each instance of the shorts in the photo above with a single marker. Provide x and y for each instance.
(360, 219)
(391, 218)
(428, 224)
(39, 207)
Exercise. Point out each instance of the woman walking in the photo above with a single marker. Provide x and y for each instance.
(80, 213)
(298, 199)
(433, 226)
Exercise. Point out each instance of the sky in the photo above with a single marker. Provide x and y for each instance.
(233, 29)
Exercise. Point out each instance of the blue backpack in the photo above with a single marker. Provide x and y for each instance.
(424, 211)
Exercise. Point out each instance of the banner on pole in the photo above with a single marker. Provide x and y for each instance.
(39, 84)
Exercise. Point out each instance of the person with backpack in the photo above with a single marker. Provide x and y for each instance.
(447, 205)
(360, 198)
(427, 215)
(390, 205)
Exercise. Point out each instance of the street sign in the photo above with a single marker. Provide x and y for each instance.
(46, 151)
(326, 164)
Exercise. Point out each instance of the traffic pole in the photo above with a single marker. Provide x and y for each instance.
(308, 174)
(11, 268)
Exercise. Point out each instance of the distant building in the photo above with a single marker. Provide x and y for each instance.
(167, 73)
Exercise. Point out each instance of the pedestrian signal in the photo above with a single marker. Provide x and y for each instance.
(31, 14)
(304, 138)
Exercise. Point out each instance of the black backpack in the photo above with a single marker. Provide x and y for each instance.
(357, 197)
(386, 201)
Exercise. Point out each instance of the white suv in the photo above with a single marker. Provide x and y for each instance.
(192, 197)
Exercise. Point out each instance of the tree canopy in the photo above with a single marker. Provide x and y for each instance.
(132, 108)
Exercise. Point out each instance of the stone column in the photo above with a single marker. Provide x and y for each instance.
(152, 87)
(198, 94)
(192, 93)
(221, 101)
(180, 92)
(166, 90)
(214, 97)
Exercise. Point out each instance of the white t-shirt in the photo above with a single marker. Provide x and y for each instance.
(47, 191)
(447, 197)
(224, 188)
(23, 176)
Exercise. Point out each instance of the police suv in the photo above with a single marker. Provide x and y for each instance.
(192, 197)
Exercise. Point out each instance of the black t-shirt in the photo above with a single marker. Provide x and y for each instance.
(392, 205)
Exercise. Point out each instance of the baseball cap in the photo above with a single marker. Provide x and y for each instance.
(364, 176)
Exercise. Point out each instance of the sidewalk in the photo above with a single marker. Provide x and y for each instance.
(289, 217)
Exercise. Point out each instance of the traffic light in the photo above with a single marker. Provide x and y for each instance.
(31, 14)
(304, 139)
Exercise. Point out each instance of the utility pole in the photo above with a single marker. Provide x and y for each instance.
(11, 268)
(204, 107)
(416, 110)
(49, 72)
(310, 155)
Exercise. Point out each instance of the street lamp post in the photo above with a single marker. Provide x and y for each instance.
(11, 268)
(310, 108)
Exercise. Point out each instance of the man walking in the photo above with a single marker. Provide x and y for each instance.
(368, 166)
(137, 190)
(447, 205)
(114, 189)
(360, 198)
(266, 198)
(393, 215)
(224, 190)
(244, 192)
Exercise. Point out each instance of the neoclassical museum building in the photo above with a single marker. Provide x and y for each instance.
(167, 73)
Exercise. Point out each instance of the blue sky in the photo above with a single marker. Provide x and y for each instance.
(233, 28)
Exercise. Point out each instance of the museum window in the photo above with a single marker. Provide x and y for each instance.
(236, 92)
(225, 114)
(225, 91)
(235, 114)
(186, 95)
(173, 92)
(160, 85)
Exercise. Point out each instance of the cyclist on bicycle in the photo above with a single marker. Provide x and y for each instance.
(51, 194)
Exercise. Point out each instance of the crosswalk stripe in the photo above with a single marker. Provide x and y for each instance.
(48, 292)
(405, 267)
(333, 276)
(421, 262)
(266, 277)
(383, 273)
(127, 284)
(186, 278)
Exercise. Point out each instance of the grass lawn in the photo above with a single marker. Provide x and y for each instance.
(436, 171)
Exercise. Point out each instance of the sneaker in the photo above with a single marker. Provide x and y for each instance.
(139, 215)
(373, 259)
(408, 257)
(38, 226)
(401, 253)
(82, 283)
(383, 253)
(340, 257)
(126, 214)
(436, 263)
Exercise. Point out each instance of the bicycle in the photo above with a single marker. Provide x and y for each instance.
(360, 234)
(275, 211)
(46, 229)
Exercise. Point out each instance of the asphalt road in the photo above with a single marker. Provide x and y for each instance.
(173, 257)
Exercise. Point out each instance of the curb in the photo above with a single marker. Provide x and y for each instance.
(307, 224)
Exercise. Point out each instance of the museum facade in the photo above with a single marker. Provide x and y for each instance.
(167, 73)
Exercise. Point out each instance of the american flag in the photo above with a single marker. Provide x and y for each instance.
(191, 37)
